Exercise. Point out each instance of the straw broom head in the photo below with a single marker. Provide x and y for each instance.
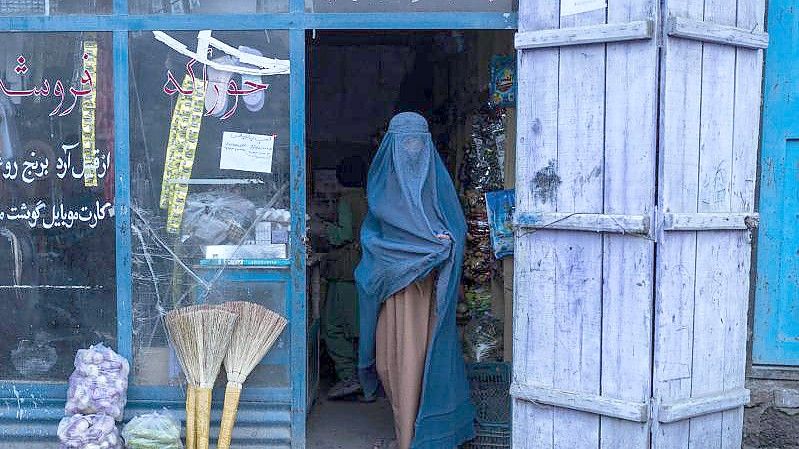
(213, 328)
(181, 331)
(257, 330)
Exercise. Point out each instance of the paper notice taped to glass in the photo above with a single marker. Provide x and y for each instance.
(571, 7)
(247, 152)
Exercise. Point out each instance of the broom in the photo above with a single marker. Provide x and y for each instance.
(181, 334)
(256, 331)
(204, 333)
(213, 332)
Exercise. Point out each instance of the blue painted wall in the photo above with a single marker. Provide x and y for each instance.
(776, 327)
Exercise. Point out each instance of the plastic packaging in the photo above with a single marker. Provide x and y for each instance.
(501, 206)
(99, 383)
(158, 430)
(478, 263)
(482, 339)
(215, 218)
(88, 432)
(485, 155)
(478, 300)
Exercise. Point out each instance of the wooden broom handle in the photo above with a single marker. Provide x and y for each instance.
(203, 417)
(191, 406)
(232, 396)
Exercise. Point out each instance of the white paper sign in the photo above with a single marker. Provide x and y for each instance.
(247, 152)
(571, 7)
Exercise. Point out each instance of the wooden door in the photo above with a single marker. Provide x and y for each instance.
(585, 187)
(627, 151)
(710, 121)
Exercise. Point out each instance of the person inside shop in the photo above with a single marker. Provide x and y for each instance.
(413, 241)
(340, 313)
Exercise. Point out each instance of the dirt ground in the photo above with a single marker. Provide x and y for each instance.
(348, 425)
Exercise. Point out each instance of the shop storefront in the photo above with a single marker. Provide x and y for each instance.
(122, 123)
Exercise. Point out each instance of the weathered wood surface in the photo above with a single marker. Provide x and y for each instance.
(586, 309)
(584, 301)
(709, 123)
(710, 221)
(715, 33)
(609, 223)
(592, 403)
(702, 405)
(534, 255)
(593, 34)
(630, 160)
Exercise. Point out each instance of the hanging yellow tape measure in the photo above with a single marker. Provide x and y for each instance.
(88, 107)
(184, 135)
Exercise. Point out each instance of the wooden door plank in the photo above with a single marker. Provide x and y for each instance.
(715, 260)
(534, 321)
(630, 149)
(593, 34)
(605, 406)
(588, 222)
(536, 161)
(678, 167)
(748, 81)
(702, 405)
(710, 221)
(707, 31)
(580, 165)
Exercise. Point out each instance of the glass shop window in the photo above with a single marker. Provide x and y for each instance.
(210, 178)
(346, 6)
(53, 7)
(57, 275)
(207, 6)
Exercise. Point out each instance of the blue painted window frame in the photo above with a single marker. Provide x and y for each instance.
(297, 21)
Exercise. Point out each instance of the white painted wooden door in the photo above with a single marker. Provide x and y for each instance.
(710, 119)
(609, 340)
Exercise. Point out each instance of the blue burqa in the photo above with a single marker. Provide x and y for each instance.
(411, 201)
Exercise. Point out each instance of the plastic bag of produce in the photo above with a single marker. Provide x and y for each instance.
(153, 431)
(482, 339)
(88, 432)
(99, 383)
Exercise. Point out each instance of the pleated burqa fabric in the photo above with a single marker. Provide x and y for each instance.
(411, 202)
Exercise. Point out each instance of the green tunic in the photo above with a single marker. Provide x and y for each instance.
(340, 319)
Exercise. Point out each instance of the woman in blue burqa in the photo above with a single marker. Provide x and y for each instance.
(412, 243)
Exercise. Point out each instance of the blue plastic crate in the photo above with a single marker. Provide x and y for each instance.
(489, 439)
(489, 383)
(490, 387)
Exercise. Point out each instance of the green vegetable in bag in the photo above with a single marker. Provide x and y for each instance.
(153, 431)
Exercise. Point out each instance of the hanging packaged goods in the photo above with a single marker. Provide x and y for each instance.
(181, 148)
(89, 115)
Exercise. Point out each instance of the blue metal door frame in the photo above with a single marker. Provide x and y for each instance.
(43, 402)
(776, 325)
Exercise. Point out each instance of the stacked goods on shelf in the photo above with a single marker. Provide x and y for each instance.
(478, 264)
(483, 173)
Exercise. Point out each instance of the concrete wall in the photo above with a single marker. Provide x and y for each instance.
(771, 420)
